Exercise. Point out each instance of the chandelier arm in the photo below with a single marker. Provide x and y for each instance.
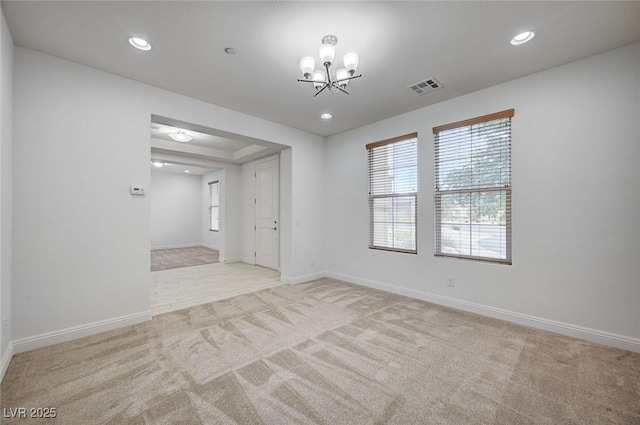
(306, 81)
(321, 90)
(341, 89)
(346, 79)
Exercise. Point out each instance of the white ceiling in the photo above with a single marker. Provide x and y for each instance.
(208, 145)
(174, 168)
(464, 45)
(162, 132)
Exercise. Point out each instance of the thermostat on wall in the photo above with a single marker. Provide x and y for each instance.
(137, 190)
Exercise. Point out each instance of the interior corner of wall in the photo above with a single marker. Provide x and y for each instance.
(6, 357)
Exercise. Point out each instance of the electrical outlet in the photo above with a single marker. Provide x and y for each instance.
(450, 281)
(312, 262)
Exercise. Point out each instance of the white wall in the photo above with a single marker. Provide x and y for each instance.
(576, 202)
(248, 194)
(6, 200)
(286, 212)
(85, 257)
(208, 238)
(81, 241)
(231, 214)
(229, 239)
(175, 202)
(307, 221)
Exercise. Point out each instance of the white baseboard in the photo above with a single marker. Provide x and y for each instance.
(227, 260)
(249, 260)
(181, 245)
(63, 335)
(293, 280)
(6, 359)
(593, 335)
(206, 245)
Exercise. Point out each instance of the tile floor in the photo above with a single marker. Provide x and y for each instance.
(176, 289)
(163, 259)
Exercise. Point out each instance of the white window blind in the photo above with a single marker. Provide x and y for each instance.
(214, 206)
(393, 193)
(473, 188)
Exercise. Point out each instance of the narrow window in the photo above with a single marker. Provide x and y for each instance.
(214, 206)
(393, 193)
(473, 188)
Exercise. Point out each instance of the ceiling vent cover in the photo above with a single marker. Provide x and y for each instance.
(425, 86)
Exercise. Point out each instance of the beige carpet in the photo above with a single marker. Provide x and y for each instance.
(326, 353)
(164, 259)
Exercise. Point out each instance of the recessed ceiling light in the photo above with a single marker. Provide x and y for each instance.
(326, 116)
(230, 51)
(187, 171)
(140, 43)
(523, 37)
(181, 136)
(158, 164)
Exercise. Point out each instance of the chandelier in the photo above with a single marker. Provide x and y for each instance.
(330, 78)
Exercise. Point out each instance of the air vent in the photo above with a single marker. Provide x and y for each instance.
(426, 86)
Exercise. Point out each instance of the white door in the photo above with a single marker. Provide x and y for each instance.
(267, 213)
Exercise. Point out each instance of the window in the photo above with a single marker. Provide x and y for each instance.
(473, 188)
(393, 193)
(214, 206)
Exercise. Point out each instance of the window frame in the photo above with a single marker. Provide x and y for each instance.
(212, 206)
(471, 189)
(391, 195)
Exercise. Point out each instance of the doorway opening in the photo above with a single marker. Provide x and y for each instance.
(214, 200)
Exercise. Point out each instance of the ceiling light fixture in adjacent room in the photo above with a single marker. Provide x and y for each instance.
(140, 43)
(334, 80)
(187, 171)
(181, 136)
(326, 116)
(158, 164)
(523, 37)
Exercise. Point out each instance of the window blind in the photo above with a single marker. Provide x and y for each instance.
(473, 188)
(214, 206)
(393, 193)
